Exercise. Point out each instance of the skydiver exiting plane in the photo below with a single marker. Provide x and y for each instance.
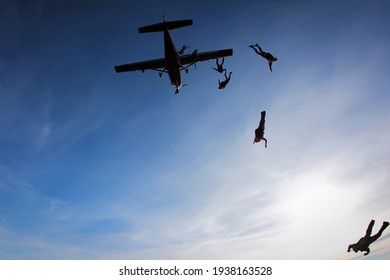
(171, 63)
(259, 132)
(364, 242)
(223, 84)
(183, 48)
(266, 55)
(219, 68)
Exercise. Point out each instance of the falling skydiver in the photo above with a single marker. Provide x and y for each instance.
(219, 68)
(264, 54)
(364, 242)
(259, 132)
(183, 48)
(223, 84)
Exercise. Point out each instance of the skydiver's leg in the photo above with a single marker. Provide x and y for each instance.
(262, 121)
(182, 50)
(261, 52)
(376, 236)
(369, 229)
(217, 62)
(260, 49)
(262, 124)
(253, 47)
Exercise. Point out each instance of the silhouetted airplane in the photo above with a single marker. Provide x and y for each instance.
(172, 63)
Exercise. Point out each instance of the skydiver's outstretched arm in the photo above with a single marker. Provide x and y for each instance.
(350, 247)
(259, 140)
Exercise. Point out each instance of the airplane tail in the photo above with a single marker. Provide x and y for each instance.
(165, 24)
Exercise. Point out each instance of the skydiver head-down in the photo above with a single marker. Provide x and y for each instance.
(259, 132)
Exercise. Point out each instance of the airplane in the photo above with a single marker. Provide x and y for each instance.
(172, 63)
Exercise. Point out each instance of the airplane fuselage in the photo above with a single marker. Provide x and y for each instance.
(172, 60)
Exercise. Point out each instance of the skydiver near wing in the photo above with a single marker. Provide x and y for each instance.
(364, 242)
(183, 48)
(259, 132)
(223, 84)
(266, 55)
(219, 68)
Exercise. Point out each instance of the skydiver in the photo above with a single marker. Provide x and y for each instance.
(183, 48)
(223, 84)
(364, 242)
(259, 132)
(266, 55)
(219, 68)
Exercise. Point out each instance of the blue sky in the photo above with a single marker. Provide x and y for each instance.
(100, 165)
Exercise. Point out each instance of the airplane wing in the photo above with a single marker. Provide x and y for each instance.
(196, 57)
(142, 66)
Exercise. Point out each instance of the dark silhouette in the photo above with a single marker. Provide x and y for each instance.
(259, 132)
(223, 84)
(220, 68)
(364, 242)
(266, 55)
(183, 48)
(172, 63)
